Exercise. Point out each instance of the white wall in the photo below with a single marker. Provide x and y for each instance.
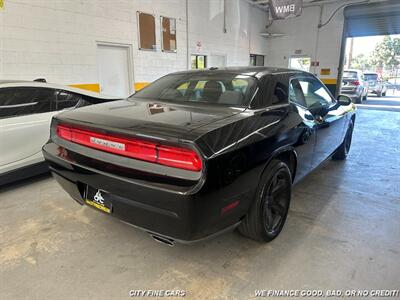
(57, 39)
(302, 33)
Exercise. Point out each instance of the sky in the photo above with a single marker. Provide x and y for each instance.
(365, 45)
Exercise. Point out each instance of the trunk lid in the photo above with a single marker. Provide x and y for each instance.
(150, 118)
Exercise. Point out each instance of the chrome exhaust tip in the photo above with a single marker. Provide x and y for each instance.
(163, 240)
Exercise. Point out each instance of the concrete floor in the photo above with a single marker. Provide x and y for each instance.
(343, 232)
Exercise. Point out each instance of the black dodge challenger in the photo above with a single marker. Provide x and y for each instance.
(199, 152)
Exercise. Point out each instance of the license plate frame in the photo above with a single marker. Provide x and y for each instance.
(98, 199)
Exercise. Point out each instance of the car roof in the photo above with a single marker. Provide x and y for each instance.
(21, 83)
(371, 73)
(250, 71)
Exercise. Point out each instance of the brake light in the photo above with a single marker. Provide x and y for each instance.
(356, 82)
(175, 157)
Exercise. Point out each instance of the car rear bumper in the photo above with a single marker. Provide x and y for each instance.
(178, 216)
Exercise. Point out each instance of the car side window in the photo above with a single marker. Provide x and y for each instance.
(20, 101)
(296, 93)
(315, 93)
(43, 99)
(66, 100)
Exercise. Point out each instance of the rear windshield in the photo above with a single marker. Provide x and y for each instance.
(371, 76)
(350, 75)
(219, 88)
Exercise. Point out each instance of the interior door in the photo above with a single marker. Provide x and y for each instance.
(329, 118)
(113, 67)
(25, 122)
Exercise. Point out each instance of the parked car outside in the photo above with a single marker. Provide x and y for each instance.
(198, 152)
(26, 109)
(354, 85)
(375, 84)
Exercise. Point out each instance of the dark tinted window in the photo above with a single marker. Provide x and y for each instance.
(213, 88)
(274, 91)
(24, 101)
(66, 100)
(371, 76)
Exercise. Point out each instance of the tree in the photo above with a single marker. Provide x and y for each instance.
(387, 54)
(361, 62)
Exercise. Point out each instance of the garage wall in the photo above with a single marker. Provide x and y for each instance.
(301, 34)
(57, 39)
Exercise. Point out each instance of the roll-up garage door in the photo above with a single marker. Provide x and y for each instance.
(381, 18)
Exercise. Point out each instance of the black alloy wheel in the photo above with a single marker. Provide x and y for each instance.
(269, 210)
(276, 200)
(344, 149)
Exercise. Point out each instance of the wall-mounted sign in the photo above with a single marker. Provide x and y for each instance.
(284, 9)
(325, 71)
(298, 51)
(1, 3)
(315, 64)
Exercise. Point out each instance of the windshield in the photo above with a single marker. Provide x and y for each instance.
(350, 75)
(219, 88)
(371, 76)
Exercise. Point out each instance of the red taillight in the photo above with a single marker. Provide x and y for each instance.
(356, 82)
(176, 157)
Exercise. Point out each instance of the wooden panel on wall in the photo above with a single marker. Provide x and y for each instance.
(168, 31)
(147, 31)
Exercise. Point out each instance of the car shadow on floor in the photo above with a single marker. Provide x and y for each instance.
(24, 182)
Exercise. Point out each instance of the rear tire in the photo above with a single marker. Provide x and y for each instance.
(269, 210)
(358, 99)
(384, 94)
(365, 97)
(379, 94)
(343, 150)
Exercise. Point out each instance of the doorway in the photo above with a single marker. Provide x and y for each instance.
(371, 47)
(300, 63)
(114, 69)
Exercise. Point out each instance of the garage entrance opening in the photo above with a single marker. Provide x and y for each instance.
(370, 56)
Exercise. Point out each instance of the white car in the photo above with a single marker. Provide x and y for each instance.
(26, 110)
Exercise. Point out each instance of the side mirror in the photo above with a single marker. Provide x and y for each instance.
(344, 100)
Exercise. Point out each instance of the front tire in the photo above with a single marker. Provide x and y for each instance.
(343, 150)
(269, 210)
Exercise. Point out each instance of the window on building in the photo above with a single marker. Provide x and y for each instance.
(199, 61)
(300, 63)
(168, 32)
(147, 31)
(256, 60)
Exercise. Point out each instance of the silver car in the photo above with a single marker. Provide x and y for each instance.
(375, 84)
(354, 85)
